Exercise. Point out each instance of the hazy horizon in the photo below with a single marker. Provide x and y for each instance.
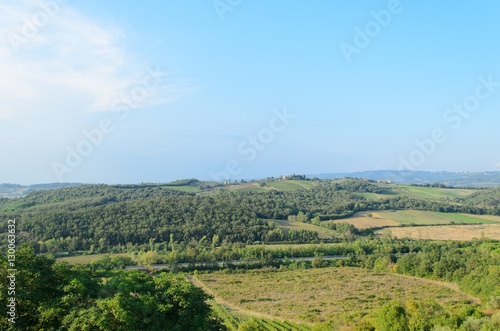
(107, 92)
(275, 176)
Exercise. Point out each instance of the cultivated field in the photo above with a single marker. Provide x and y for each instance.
(378, 196)
(414, 217)
(316, 295)
(418, 217)
(447, 232)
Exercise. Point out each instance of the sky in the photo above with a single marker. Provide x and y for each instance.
(153, 91)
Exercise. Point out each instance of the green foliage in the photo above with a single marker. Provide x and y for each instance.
(392, 317)
(113, 218)
(423, 315)
(482, 324)
(327, 326)
(474, 266)
(58, 296)
(149, 258)
(317, 262)
(251, 325)
(108, 263)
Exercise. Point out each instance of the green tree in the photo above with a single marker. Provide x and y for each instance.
(37, 290)
(302, 217)
(424, 315)
(392, 317)
(57, 296)
(149, 258)
(317, 262)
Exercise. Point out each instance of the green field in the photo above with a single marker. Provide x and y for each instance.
(252, 187)
(378, 196)
(292, 185)
(282, 186)
(432, 193)
(417, 192)
(315, 295)
(286, 226)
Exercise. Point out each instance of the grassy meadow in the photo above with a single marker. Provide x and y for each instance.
(432, 193)
(286, 226)
(417, 192)
(292, 185)
(315, 295)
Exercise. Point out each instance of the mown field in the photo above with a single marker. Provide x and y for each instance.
(315, 295)
(447, 232)
(362, 221)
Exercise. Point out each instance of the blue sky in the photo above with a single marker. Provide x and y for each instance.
(127, 92)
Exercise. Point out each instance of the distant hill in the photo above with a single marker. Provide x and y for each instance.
(456, 179)
(473, 179)
(16, 190)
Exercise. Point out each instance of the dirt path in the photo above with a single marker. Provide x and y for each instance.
(196, 282)
(451, 286)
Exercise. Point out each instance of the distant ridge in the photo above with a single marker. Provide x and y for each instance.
(473, 179)
(16, 190)
(459, 179)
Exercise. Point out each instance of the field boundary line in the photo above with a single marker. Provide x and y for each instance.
(198, 283)
(451, 286)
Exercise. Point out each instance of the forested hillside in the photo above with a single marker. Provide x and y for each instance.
(115, 217)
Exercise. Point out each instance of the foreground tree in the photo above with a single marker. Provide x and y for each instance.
(58, 296)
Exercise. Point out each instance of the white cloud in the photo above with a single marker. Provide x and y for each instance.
(51, 53)
(497, 165)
